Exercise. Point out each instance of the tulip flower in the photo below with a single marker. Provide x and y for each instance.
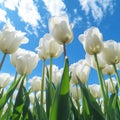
(111, 52)
(92, 40)
(36, 83)
(4, 79)
(11, 39)
(80, 70)
(91, 61)
(95, 90)
(60, 29)
(48, 47)
(26, 62)
(14, 56)
(108, 69)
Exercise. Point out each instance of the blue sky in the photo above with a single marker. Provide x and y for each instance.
(31, 16)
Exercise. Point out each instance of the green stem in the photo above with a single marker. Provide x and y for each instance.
(100, 76)
(113, 87)
(16, 74)
(42, 85)
(50, 78)
(102, 85)
(64, 48)
(3, 59)
(117, 76)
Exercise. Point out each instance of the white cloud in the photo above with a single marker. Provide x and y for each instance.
(97, 8)
(2, 15)
(55, 7)
(29, 12)
(11, 4)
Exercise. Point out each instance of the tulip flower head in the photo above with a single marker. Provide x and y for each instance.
(36, 83)
(60, 29)
(108, 69)
(91, 61)
(80, 70)
(48, 47)
(11, 39)
(111, 52)
(95, 90)
(4, 79)
(92, 40)
(25, 62)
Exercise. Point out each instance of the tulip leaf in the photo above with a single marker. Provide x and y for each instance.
(19, 103)
(9, 93)
(114, 107)
(26, 105)
(60, 107)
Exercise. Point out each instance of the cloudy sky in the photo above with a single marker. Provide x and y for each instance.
(31, 16)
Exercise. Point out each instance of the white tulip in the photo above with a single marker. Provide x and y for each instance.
(14, 56)
(111, 85)
(92, 40)
(95, 90)
(60, 29)
(48, 47)
(108, 69)
(91, 61)
(4, 79)
(26, 62)
(36, 83)
(111, 52)
(81, 70)
(11, 39)
(75, 91)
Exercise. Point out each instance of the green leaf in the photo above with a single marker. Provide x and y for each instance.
(60, 109)
(114, 107)
(10, 91)
(26, 105)
(19, 102)
(64, 87)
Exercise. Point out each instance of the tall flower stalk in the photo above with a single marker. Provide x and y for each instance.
(117, 76)
(42, 85)
(2, 61)
(50, 78)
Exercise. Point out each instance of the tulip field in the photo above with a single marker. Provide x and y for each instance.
(59, 94)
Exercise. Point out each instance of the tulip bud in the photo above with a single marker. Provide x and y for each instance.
(95, 90)
(26, 62)
(10, 39)
(4, 79)
(92, 41)
(111, 52)
(48, 47)
(60, 29)
(79, 70)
